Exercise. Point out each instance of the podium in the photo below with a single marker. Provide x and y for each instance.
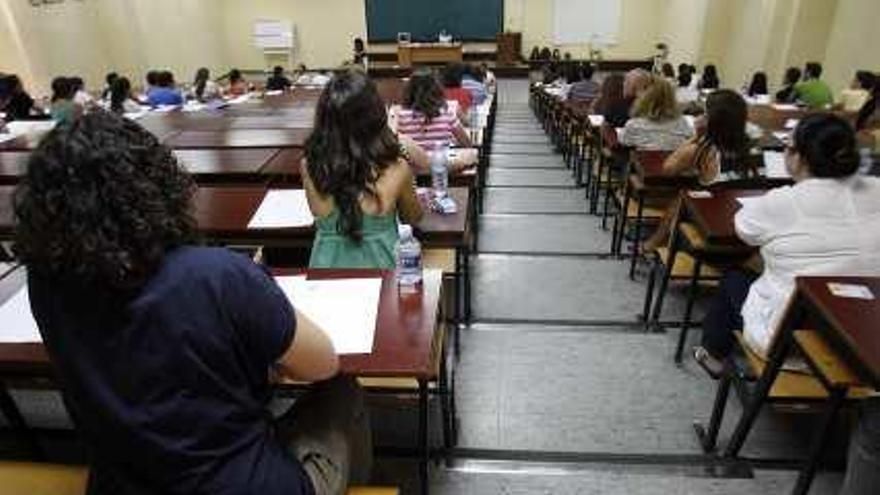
(509, 48)
(409, 54)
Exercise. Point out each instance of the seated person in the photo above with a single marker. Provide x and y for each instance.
(611, 104)
(15, 102)
(786, 93)
(868, 121)
(827, 223)
(489, 78)
(360, 52)
(426, 118)
(685, 93)
(278, 82)
(586, 88)
(164, 93)
(812, 91)
(204, 88)
(635, 83)
(854, 98)
(656, 123)
(82, 97)
(108, 83)
(121, 100)
(237, 85)
(716, 154)
(63, 108)
(758, 86)
(472, 80)
(709, 81)
(452, 90)
(170, 399)
(356, 181)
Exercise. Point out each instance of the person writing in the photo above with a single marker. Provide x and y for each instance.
(114, 274)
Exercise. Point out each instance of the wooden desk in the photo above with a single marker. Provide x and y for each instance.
(13, 166)
(409, 54)
(239, 138)
(849, 325)
(713, 216)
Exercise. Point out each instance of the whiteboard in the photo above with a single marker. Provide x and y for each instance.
(273, 34)
(587, 21)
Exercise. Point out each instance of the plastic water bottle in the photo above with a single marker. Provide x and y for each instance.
(439, 170)
(474, 118)
(866, 163)
(409, 259)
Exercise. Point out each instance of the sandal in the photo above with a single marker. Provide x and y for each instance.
(710, 364)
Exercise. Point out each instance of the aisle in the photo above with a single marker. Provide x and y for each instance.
(557, 363)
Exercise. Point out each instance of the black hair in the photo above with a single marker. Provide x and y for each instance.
(726, 117)
(792, 76)
(278, 70)
(536, 53)
(758, 86)
(555, 55)
(110, 77)
(350, 145)
(63, 89)
(153, 77)
(234, 76)
(572, 73)
(546, 54)
(120, 91)
(78, 83)
(201, 82)
(684, 78)
(867, 79)
(102, 202)
(683, 68)
(827, 144)
(165, 79)
(710, 78)
(668, 70)
(587, 71)
(452, 75)
(359, 44)
(424, 95)
(813, 70)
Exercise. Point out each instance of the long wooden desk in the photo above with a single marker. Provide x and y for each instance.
(713, 215)
(409, 54)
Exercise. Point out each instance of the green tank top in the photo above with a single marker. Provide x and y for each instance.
(332, 249)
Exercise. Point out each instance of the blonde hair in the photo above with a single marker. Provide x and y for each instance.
(657, 103)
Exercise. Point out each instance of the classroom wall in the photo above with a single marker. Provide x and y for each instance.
(852, 42)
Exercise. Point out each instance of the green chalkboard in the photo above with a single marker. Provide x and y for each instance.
(468, 20)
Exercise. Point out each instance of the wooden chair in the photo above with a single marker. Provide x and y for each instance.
(23, 478)
(826, 377)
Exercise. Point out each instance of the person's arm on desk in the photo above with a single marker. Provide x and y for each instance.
(311, 356)
(461, 135)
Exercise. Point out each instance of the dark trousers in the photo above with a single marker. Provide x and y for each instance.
(863, 462)
(724, 314)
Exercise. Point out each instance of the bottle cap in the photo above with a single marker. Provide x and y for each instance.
(404, 231)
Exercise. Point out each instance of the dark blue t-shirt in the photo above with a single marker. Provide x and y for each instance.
(169, 385)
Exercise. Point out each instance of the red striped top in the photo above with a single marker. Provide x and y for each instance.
(428, 134)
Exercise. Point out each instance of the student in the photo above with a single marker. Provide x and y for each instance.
(355, 179)
(360, 51)
(758, 86)
(472, 80)
(278, 81)
(452, 90)
(108, 84)
(716, 154)
(635, 83)
(869, 115)
(237, 85)
(709, 81)
(556, 56)
(535, 55)
(152, 80)
(828, 222)
(164, 93)
(204, 88)
(656, 123)
(546, 55)
(426, 118)
(854, 98)
(611, 104)
(668, 72)
(15, 101)
(82, 97)
(586, 89)
(121, 101)
(685, 93)
(63, 107)
(812, 91)
(114, 276)
(488, 78)
(786, 93)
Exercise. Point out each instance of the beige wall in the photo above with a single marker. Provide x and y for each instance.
(130, 36)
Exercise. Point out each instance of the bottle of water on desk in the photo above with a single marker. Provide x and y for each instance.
(409, 259)
(439, 170)
(474, 124)
(866, 163)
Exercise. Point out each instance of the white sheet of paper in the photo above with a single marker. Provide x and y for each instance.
(21, 127)
(7, 137)
(240, 99)
(774, 164)
(619, 132)
(784, 106)
(762, 99)
(135, 115)
(274, 92)
(851, 291)
(18, 323)
(791, 123)
(283, 208)
(346, 308)
(597, 120)
(745, 200)
(700, 194)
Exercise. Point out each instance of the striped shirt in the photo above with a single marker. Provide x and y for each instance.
(428, 134)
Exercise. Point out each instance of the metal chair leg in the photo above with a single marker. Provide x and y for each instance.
(692, 297)
(709, 437)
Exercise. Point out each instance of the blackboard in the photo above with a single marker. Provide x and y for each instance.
(465, 20)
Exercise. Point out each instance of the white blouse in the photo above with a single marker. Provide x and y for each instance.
(816, 227)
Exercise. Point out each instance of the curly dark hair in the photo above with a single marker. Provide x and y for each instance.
(424, 94)
(102, 203)
(350, 145)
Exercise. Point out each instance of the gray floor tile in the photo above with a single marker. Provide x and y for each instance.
(569, 234)
(529, 177)
(531, 149)
(542, 200)
(513, 160)
(521, 139)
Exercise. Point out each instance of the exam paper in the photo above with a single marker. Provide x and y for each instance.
(18, 323)
(784, 106)
(745, 200)
(774, 164)
(21, 127)
(791, 123)
(344, 308)
(851, 291)
(283, 208)
(597, 120)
